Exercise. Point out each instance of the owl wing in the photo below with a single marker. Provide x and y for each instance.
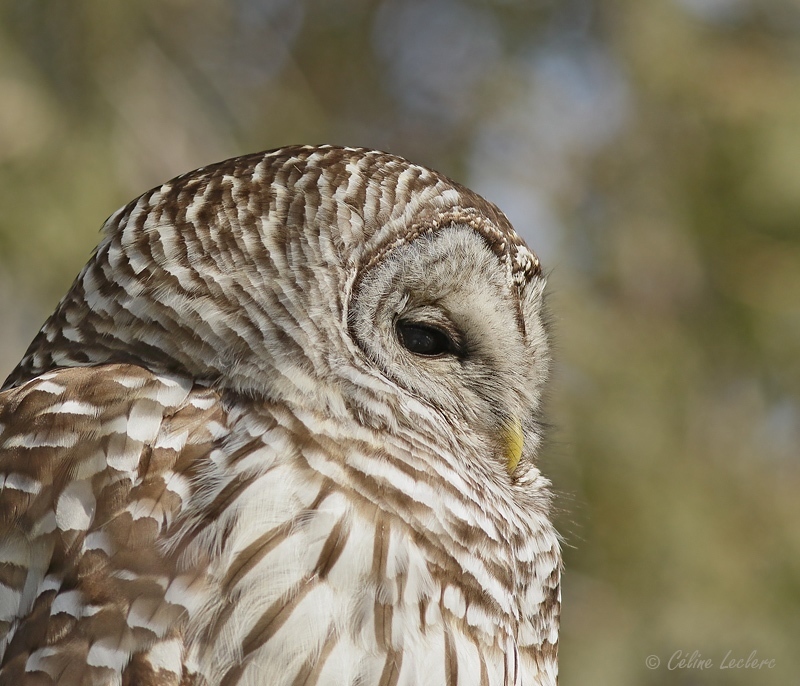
(95, 464)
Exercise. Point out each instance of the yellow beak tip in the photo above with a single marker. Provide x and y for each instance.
(514, 441)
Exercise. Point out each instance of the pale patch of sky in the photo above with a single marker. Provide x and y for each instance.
(573, 100)
(436, 54)
(781, 427)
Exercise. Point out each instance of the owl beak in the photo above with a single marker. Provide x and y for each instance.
(513, 440)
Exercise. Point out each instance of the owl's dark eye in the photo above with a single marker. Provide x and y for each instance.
(422, 339)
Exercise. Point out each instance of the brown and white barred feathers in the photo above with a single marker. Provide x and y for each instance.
(282, 430)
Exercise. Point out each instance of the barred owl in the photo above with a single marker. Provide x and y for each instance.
(282, 431)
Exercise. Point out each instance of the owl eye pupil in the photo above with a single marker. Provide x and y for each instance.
(422, 339)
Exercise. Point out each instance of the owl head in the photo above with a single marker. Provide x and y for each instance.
(341, 280)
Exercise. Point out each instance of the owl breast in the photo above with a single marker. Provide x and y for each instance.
(315, 583)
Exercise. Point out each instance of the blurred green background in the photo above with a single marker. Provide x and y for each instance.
(648, 150)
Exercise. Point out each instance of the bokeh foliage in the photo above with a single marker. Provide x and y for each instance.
(649, 151)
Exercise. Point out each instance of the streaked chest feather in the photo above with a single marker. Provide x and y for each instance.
(170, 539)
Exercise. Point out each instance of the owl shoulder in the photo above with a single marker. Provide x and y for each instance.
(95, 463)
